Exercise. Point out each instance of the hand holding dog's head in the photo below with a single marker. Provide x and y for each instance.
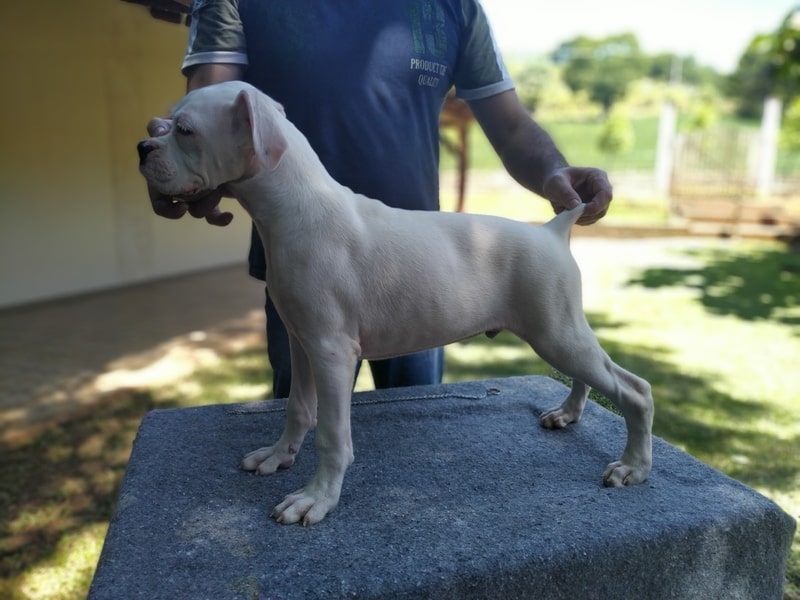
(216, 135)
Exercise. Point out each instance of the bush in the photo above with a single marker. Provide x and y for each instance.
(790, 132)
(616, 136)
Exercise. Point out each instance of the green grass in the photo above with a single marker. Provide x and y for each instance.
(717, 336)
(578, 141)
(719, 342)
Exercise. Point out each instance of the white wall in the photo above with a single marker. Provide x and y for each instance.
(81, 79)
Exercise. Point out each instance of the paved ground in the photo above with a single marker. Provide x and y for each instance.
(59, 358)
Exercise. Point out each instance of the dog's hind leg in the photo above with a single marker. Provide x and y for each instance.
(633, 397)
(571, 409)
(301, 415)
(576, 352)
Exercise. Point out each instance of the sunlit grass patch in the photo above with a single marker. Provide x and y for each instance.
(714, 329)
(67, 573)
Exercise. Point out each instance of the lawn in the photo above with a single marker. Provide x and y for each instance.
(578, 141)
(714, 326)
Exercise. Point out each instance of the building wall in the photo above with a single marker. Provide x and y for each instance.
(81, 79)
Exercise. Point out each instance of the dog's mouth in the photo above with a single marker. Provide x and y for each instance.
(191, 195)
(190, 192)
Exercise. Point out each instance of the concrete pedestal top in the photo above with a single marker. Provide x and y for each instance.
(455, 492)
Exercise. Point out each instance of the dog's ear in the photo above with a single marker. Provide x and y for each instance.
(255, 112)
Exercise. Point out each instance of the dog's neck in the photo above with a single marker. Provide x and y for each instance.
(275, 199)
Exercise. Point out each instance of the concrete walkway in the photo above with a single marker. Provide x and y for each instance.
(59, 358)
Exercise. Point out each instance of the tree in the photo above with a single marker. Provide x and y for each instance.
(785, 55)
(672, 68)
(617, 136)
(769, 66)
(602, 67)
(790, 132)
(753, 80)
(532, 79)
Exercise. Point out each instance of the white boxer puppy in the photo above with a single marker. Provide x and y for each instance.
(353, 278)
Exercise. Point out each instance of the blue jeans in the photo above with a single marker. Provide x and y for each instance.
(420, 368)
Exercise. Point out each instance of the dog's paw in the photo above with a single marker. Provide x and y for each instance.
(558, 418)
(266, 461)
(618, 474)
(304, 506)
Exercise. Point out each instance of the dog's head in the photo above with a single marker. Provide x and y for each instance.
(215, 135)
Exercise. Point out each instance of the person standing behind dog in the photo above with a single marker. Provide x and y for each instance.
(365, 81)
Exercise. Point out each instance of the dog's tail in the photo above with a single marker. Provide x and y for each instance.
(562, 223)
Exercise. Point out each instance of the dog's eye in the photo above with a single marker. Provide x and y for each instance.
(183, 129)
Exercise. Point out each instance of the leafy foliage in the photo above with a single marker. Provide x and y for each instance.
(753, 82)
(790, 134)
(603, 67)
(685, 69)
(535, 81)
(770, 66)
(616, 136)
(785, 55)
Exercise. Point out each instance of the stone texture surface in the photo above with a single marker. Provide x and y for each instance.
(456, 492)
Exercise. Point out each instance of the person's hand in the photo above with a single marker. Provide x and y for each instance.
(567, 187)
(206, 206)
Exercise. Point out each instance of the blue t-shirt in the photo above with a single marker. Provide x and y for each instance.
(364, 80)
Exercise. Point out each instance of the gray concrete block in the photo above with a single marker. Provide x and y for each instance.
(456, 492)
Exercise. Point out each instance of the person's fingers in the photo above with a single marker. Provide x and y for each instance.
(595, 209)
(219, 218)
(596, 192)
(204, 205)
(558, 189)
(568, 187)
(207, 207)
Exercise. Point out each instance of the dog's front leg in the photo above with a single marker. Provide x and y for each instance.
(301, 415)
(333, 375)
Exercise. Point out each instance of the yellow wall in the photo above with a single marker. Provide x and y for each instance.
(80, 80)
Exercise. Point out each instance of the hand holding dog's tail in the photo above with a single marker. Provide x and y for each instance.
(568, 187)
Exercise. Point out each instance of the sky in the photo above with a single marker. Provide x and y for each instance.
(715, 32)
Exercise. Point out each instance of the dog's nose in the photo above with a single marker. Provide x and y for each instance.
(144, 149)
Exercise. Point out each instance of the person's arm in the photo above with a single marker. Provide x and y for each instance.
(208, 206)
(532, 158)
(210, 73)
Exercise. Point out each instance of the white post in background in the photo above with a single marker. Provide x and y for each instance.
(768, 142)
(664, 147)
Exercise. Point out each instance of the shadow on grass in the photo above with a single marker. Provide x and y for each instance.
(62, 481)
(752, 285)
(713, 426)
(68, 478)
